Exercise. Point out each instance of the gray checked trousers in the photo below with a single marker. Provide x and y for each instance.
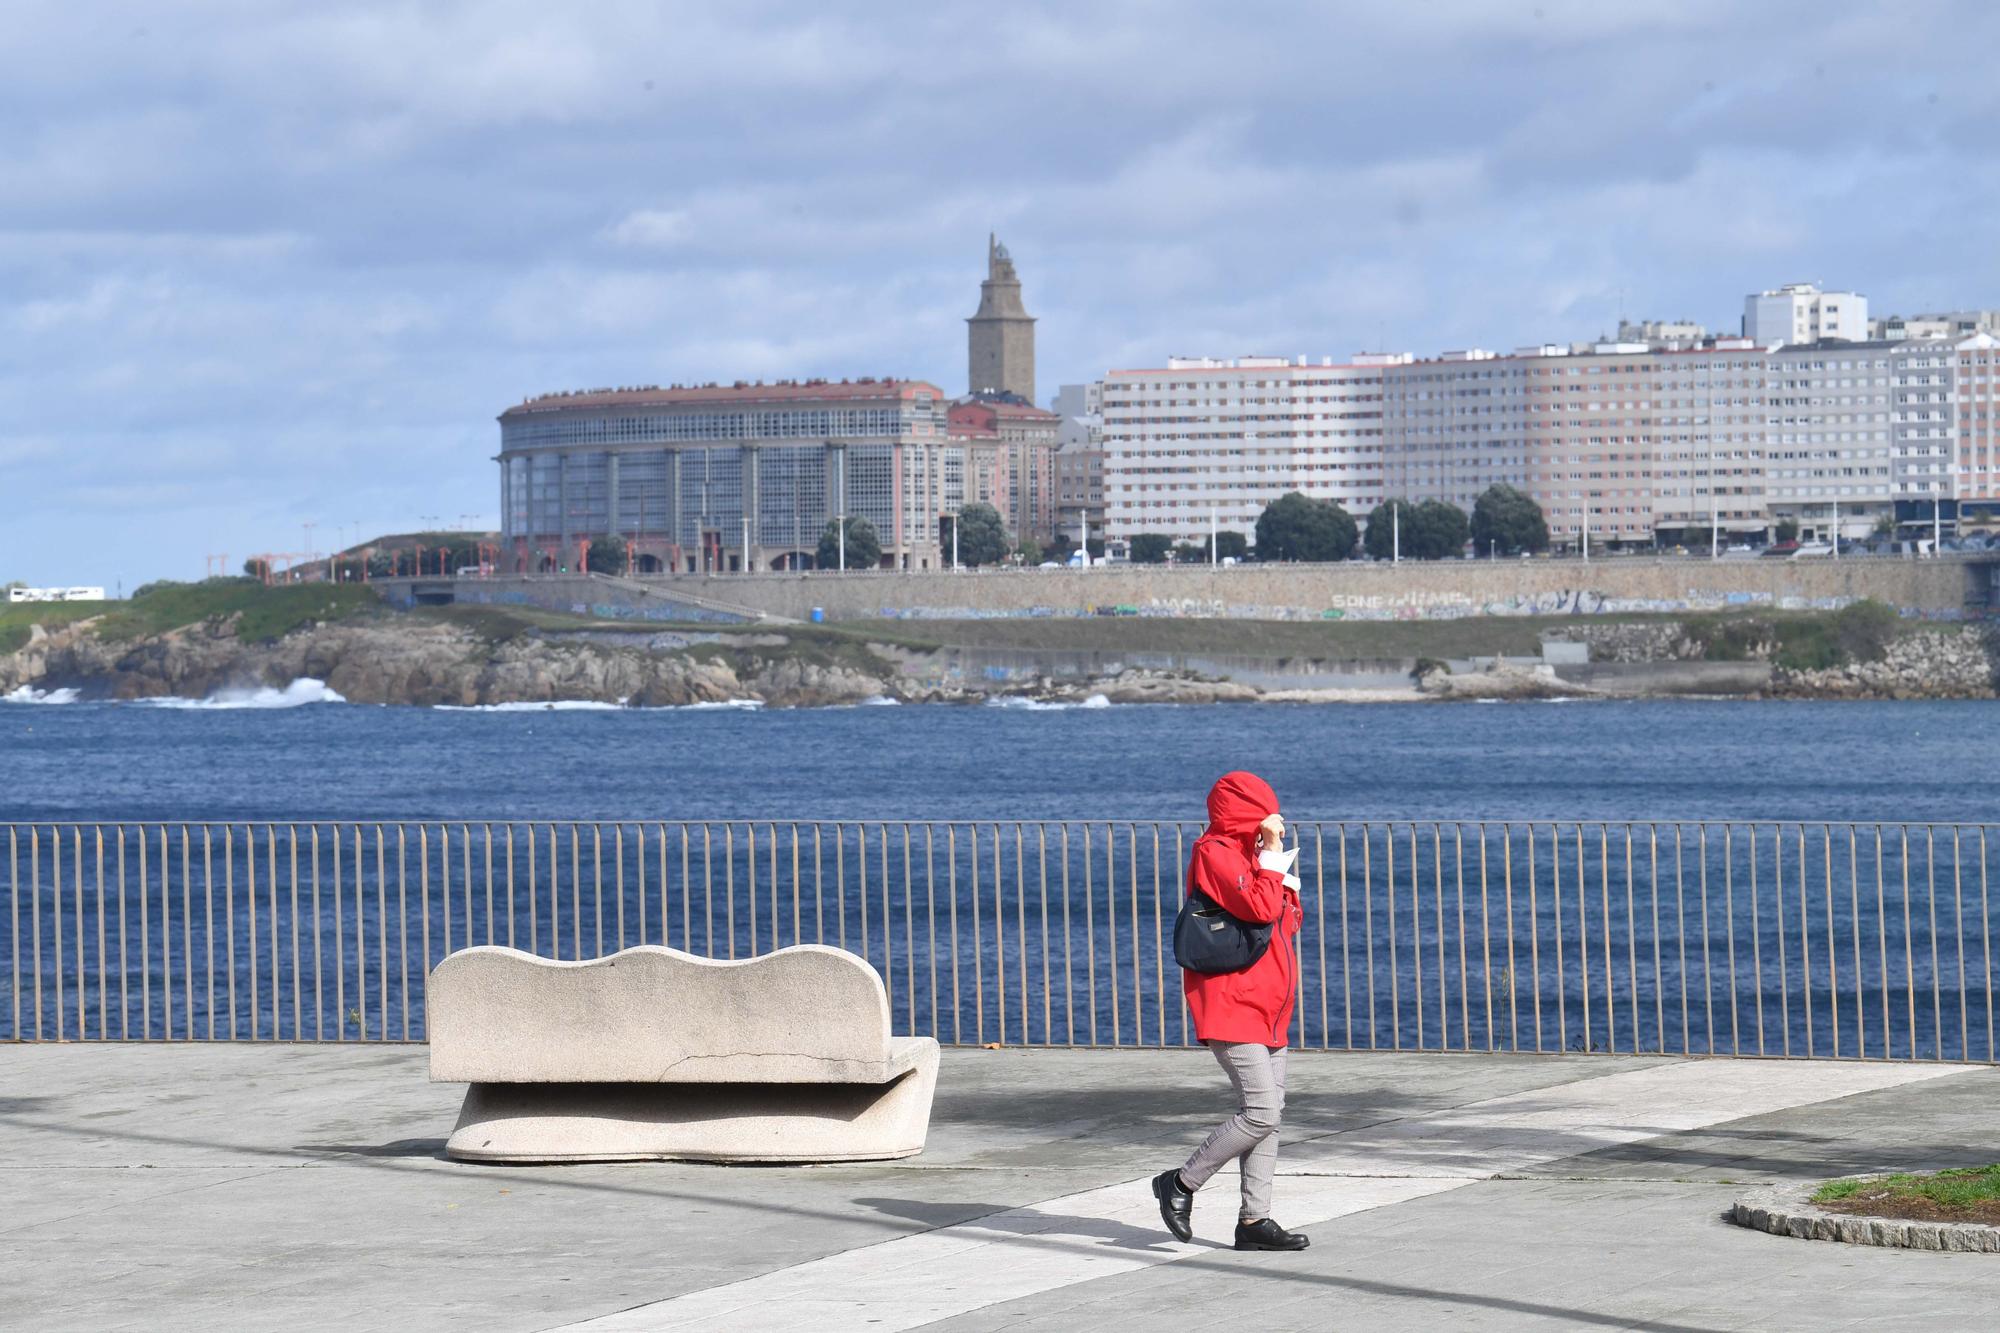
(1250, 1137)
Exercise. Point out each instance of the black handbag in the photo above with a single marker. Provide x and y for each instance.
(1209, 939)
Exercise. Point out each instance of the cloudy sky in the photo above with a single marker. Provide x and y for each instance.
(266, 265)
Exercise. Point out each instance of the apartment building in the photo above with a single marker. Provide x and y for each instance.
(1709, 438)
(1937, 324)
(1009, 449)
(1620, 439)
(1924, 420)
(1976, 406)
(1079, 460)
(1829, 439)
(1206, 441)
(1799, 312)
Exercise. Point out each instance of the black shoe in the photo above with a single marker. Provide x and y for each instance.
(1176, 1204)
(1267, 1235)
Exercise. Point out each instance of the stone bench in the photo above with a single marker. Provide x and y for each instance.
(652, 1053)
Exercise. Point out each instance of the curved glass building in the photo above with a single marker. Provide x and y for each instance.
(720, 478)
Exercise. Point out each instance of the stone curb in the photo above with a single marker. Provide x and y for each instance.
(1785, 1211)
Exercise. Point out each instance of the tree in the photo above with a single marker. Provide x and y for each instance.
(606, 555)
(864, 546)
(1508, 521)
(982, 537)
(1391, 530)
(1787, 530)
(1150, 548)
(1296, 527)
(1432, 530)
(1030, 551)
(1231, 546)
(1442, 530)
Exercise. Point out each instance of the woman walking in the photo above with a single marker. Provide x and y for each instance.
(1243, 1016)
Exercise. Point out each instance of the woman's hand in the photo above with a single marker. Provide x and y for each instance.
(1271, 833)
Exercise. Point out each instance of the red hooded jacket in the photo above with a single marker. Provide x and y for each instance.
(1256, 1003)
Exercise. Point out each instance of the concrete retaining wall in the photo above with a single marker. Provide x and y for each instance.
(1433, 591)
(602, 599)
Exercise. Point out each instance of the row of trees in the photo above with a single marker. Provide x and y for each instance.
(981, 539)
(1294, 527)
(1504, 521)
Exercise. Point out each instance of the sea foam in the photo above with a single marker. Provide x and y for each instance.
(304, 690)
(28, 694)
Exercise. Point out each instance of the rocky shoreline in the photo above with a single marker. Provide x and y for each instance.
(397, 660)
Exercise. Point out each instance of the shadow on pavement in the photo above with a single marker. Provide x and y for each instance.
(1034, 1221)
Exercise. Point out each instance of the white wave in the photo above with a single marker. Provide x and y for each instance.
(304, 690)
(1045, 705)
(28, 694)
(595, 706)
(533, 706)
(881, 701)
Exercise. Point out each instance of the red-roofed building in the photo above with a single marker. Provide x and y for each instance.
(1010, 448)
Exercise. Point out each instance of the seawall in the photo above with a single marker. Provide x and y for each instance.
(1442, 590)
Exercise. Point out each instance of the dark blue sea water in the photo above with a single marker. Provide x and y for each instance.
(1583, 760)
(1756, 878)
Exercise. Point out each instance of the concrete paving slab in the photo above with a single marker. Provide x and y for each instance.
(1608, 1254)
(1082, 1238)
(238, 1186)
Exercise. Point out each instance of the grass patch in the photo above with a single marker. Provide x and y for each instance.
(16, 617)
(267, 613)
(1967, 1194)
(1799, 640)
(496, 624)
(1322, 640)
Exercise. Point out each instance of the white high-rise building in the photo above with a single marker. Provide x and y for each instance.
(1829, 437)
(1800, 312)
(1923, 419)
(1214, 441)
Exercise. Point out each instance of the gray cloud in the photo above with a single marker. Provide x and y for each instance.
(263, 265)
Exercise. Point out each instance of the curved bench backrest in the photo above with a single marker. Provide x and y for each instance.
(656, 1015)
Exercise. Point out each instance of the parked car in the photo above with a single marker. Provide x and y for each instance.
(1781, 550)
(1807, 550)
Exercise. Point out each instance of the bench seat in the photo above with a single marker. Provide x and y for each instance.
(654, 1053)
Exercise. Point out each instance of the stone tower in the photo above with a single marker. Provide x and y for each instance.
(1000, 339)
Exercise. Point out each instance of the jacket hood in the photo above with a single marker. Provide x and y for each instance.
(1239, 802)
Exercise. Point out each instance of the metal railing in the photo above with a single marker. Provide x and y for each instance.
(1848, 941)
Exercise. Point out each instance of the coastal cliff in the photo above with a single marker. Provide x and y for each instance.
(367, 654)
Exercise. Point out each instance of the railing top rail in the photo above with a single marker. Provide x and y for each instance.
(983, 821)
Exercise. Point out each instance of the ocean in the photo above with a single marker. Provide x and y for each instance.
(1729, 877)
(289, 755)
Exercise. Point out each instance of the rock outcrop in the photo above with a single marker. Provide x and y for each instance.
(1955, 663)
(393, 659)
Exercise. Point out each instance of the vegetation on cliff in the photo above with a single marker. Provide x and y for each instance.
(191, 639)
